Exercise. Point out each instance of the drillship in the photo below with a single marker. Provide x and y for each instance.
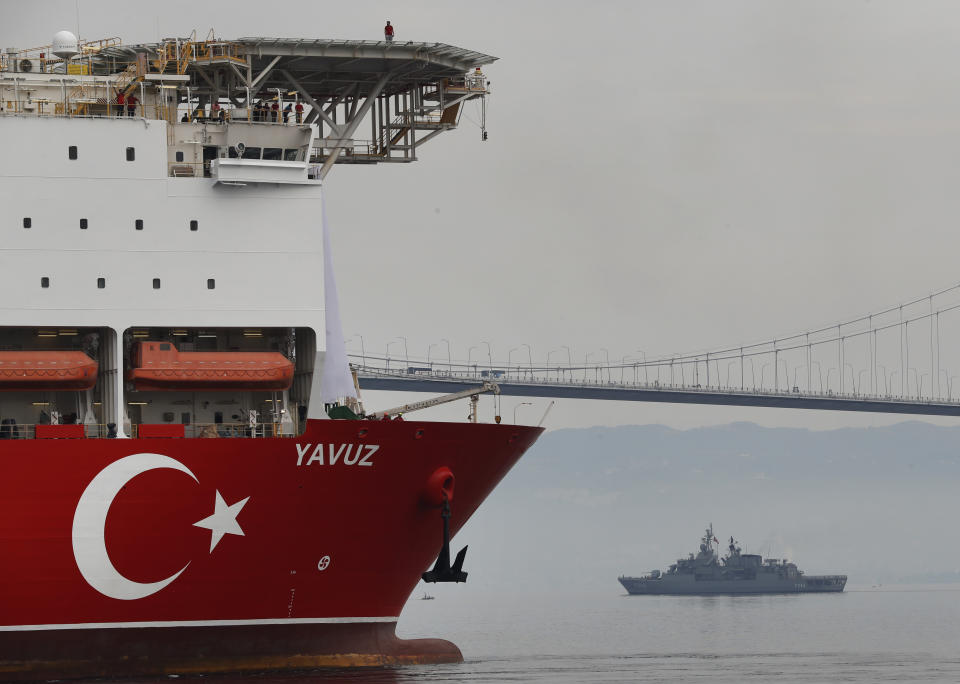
(175, 497)
(735, 573)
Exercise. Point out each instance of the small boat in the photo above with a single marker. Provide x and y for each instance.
(47, 370)
(160, 366)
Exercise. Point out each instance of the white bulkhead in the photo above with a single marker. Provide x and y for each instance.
(99, 238)
(260, 242)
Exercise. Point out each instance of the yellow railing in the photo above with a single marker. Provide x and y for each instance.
(127, 77)
(48, 60)
(167, 52)
(185, 57)
(189, 51)
(98, 45)
(219, 50)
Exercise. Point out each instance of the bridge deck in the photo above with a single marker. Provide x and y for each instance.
(438, 383)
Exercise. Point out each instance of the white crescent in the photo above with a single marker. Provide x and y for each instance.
(90, 519)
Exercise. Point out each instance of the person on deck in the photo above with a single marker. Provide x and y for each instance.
(120, 101)
(131, 105)
(274, 111)
(287, 111)
(299, 111)
(215, 112)
(388, 33)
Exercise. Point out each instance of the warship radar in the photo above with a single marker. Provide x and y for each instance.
(706, 573)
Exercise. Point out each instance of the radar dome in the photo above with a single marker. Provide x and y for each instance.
(65, 45)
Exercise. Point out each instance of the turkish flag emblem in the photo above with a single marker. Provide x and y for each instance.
(90, 522)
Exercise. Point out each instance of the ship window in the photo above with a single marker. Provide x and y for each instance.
(251, 153)
(272, 153)
(101, 283)
(156, 283)
(72, 152)
(211, 283)
(232, 152)
(138, 224)
(179, 156)
(290, 155)
(27, 222)
(194, 225)
(165, 347)
(83, 224)
(45, 281)
(131, 154)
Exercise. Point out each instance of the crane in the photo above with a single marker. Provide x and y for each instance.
(474, 394)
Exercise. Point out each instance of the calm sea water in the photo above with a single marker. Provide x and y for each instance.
(883, 634)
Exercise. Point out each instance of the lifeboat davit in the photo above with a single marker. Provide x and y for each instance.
(47, 370)
(159, 366)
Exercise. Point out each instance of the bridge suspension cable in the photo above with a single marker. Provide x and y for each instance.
(879, 359)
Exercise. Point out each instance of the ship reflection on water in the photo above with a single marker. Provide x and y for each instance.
(373, 675)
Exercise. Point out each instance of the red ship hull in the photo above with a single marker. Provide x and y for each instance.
(161, 556)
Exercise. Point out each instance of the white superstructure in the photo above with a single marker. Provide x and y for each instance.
(171, 193)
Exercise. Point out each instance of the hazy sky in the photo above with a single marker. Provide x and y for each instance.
(664, 176)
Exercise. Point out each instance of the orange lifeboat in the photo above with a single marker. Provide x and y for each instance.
(47, 370)
(159, 366)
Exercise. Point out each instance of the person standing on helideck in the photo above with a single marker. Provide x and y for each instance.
(388, 33)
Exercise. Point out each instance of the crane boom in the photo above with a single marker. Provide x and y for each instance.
(487, 386)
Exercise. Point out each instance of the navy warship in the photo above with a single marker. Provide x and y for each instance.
(736, 573)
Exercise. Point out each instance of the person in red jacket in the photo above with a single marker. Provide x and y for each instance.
(120, 101)
(388, 33)
(298, 110)
(131, 105)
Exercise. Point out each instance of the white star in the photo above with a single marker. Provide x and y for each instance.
(223, 521)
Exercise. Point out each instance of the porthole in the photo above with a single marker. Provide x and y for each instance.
(27, 222)
(156, 283)
(194, 225)
(131, 154)
(44, 282)
(72, 152)
(211, 283)
(83, 224)
(179, 156)
(138, 224)
(101, 283)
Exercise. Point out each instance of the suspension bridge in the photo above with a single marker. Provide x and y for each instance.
(903, 359)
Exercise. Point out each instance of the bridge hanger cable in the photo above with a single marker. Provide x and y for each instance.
(775, 344)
